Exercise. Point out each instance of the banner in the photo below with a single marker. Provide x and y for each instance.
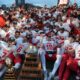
(61, 2)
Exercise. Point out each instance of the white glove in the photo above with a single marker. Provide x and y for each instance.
(17, 65)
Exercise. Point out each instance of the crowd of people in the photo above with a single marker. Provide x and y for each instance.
(51, 33)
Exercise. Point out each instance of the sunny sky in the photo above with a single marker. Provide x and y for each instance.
(49, 3)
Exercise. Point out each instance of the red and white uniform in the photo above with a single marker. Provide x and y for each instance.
(16, 59)
(3, 50)
(65, 34)
(77, 52)
(21, 48)
(3, 45)
(70, 62)
(75, 22)
(11, 32)
(34, 40)
(19, 41)
(3, 54)
(72, 46)
(49, 45)
(2, 33)
(66, 26)
(40, 39)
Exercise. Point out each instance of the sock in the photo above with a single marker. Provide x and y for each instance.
(2, 71)
(43, 61)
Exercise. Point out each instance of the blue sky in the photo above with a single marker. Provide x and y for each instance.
(43, 2)
(37, 2)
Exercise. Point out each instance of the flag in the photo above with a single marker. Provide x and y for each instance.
(2, 22)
